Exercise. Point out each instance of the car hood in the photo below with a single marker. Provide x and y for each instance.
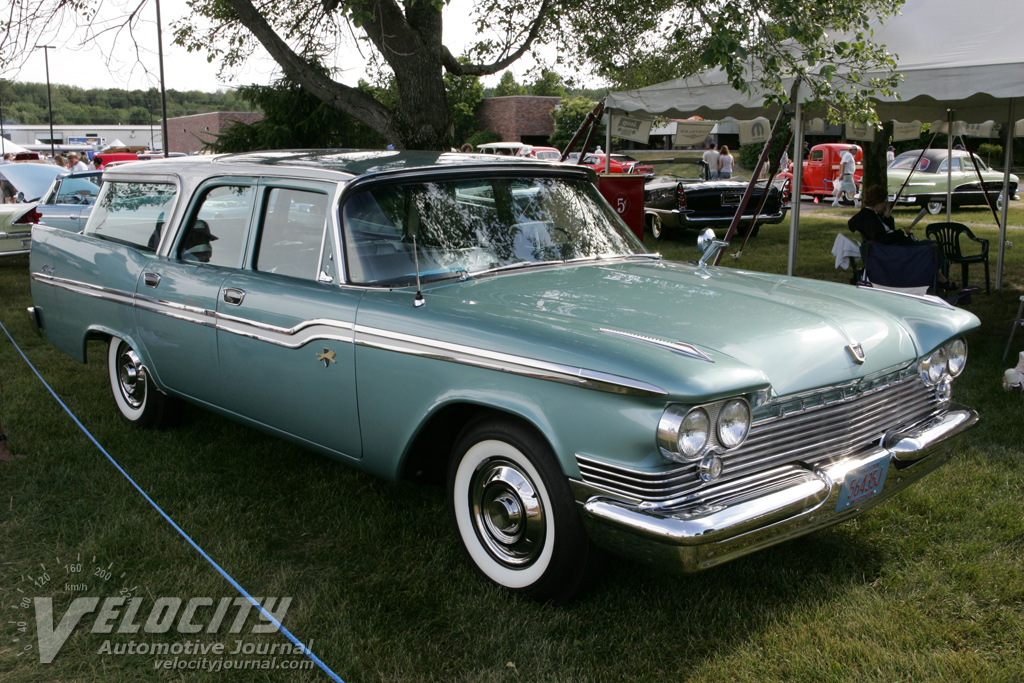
(755, 328)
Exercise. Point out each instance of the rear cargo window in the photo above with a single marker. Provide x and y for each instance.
(132, 213)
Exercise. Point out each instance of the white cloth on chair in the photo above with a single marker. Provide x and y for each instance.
(845, 249)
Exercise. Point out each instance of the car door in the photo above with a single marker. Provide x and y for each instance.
(177, 295)
(285, 326)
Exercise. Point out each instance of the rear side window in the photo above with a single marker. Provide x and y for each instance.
(291, 232)
(217, 230)
(132, 213)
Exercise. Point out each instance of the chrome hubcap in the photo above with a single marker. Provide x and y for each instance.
(131, 376)
(507, 513)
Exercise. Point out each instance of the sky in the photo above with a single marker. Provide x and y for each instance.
(86, 66)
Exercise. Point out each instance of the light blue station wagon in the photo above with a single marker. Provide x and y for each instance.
(491, 323)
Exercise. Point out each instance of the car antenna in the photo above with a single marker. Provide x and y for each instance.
(419, 300)
(412, 226)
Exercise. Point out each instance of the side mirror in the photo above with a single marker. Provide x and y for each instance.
(20, 197)
(710, 246)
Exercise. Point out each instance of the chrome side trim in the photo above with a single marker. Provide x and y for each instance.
(337, 330)
(517, 365)
(94, 291)
(679, 347)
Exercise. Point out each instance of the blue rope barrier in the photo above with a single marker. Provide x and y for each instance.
(267, 615)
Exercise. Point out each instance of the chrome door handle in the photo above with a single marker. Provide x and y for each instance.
(151, 279)
(234, 296)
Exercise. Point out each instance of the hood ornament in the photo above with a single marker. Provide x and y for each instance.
(857, 352)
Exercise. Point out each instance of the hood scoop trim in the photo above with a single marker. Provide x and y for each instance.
(683, 348)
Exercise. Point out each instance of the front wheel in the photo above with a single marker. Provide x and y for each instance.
(514, 514)
(935, 208)
(139, 401)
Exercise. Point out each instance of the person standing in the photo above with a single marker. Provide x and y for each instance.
(845, 182)
(725, 164)
(890, 155)
(77, 165)
(710, 159)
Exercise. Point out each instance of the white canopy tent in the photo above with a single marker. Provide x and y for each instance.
(8, 147)
(968, 59)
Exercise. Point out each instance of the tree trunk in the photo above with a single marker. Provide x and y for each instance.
(874, 158)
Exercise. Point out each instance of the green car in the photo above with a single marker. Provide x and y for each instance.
(930, 180)
(492, 324)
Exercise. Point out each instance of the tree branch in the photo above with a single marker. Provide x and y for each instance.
(454, 66)
(352, 101)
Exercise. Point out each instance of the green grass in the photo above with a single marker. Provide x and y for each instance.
(928, 587)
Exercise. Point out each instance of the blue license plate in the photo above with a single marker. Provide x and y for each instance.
(863, 483)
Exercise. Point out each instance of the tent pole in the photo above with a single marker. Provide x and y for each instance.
(1007, 163)
(608, 146)
(798, 179)
(949, 165)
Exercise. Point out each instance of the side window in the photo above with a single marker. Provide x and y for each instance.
(132, 213)
(817, 155)
(78, 190)
(291, 232)
(216, 231)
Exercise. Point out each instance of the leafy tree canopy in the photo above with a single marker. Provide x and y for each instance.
(630, 43)
(508, 86)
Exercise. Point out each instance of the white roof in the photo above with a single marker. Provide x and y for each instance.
(969, 58)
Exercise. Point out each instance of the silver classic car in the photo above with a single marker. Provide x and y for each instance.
(491, 323)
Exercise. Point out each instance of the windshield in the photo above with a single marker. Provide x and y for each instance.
(467, 226)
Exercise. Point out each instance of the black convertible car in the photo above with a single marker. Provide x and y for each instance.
(673, 202)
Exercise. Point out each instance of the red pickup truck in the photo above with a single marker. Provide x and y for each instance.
(822, 168)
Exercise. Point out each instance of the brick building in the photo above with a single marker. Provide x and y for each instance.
(191, 133)
(519, 118)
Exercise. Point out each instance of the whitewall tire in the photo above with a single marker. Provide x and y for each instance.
(138, 400)
(514, 515)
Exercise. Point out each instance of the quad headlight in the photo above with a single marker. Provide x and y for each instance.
(696, 433)
(945, 362)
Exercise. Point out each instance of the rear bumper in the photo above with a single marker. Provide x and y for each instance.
(761, 511)
(675, 218)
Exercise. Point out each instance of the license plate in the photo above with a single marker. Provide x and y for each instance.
(731, 199)
(863, 483)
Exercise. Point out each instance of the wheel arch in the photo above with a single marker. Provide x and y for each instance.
(426, 458)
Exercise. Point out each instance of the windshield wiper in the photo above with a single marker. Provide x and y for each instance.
(508, 266)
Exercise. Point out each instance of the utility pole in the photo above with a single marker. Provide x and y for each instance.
(49, 102)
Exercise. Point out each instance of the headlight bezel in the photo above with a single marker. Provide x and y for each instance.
(946, 361)
(671, 429)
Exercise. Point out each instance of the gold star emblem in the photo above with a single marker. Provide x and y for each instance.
(327, 357)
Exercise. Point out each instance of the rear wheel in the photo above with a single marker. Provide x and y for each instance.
(139, 401)
(935, 208)
(656, 227)
(514, 514)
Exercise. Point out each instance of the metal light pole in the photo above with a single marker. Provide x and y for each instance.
(49, 102)
(163, 91)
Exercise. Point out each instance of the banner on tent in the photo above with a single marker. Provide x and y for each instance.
(755, 131)
(964, 129)
(638, 130)
(815, 126)
(910, 130)
(860, 131)
(689, 133)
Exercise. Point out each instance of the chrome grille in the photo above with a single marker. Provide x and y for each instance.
(812, 436)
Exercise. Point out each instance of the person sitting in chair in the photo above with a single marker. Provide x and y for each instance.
(875, 222)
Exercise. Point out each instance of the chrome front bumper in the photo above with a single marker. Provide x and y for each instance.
(736, 518)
